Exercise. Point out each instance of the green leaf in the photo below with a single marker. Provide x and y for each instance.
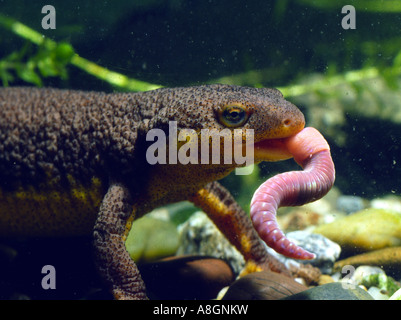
(64, 52)
(28, 74)
(47, 67)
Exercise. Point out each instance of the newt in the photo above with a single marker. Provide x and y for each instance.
(73, 163)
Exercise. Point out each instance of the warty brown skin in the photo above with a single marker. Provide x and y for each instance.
(74, 162)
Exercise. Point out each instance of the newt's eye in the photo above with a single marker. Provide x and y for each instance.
(233, 116)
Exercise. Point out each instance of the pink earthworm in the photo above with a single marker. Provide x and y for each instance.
(312, 152)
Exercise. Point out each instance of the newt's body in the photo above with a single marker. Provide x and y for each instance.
(74, 163)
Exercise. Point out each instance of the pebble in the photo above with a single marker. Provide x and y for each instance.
(186, 277)
(350, 204)
(365, 230)
(390, 202)
(151, 239)
(263, 285)
(326, 251)
(324, 278)
(200, 236)
(332, 291)
(389, 259)
(362, 272)
(396, 295)
(377, 294)
(299, 219)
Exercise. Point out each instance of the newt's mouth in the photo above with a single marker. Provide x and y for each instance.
(271, 150)
(275, 147)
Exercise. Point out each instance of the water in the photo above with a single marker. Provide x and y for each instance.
(346, 81)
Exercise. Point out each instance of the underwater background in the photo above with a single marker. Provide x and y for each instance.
(345, 80)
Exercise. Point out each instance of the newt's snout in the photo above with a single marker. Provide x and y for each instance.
(270, 146)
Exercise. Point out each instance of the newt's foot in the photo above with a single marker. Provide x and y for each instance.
(251, 267)
(307, 272)
(271, 264)
(121, 294)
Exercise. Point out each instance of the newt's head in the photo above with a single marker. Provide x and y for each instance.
(188, 115)
(220, 107)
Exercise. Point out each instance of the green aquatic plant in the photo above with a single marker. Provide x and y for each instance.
(52, 58)
(32, 65)
(386, 284)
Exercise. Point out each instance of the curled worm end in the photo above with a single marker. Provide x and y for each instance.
(266, 225)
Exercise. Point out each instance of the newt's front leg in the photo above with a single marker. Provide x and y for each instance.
(236, 225)
(111, 229)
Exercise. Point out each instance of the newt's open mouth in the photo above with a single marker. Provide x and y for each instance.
(271, 150)
(275, 148)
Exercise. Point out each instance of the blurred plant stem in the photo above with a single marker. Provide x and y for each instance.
(256, 77)
(362, 5)
(114, 78)
(330, 82)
